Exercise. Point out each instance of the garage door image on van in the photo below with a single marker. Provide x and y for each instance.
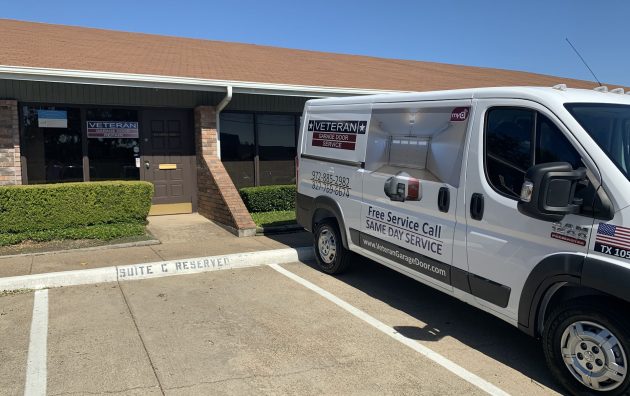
(514, 200)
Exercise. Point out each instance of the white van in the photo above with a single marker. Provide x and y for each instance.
(514, 200)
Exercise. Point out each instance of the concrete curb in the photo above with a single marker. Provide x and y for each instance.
(157, 269)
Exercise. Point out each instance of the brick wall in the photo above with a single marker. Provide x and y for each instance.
(219, 199)
(10, 168)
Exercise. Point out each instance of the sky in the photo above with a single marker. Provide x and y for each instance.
(527, 35)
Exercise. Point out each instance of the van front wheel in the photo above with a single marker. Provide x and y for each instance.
(331, 256)
(586, 346)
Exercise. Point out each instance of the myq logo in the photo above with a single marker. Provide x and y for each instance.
(460, 113)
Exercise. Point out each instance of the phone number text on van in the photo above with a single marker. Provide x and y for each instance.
(331, 184)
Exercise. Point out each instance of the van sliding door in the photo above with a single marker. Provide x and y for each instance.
(410, 188)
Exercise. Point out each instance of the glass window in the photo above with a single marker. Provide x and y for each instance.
(268, 138)
(509, 136)
(508, 148)
(113, 148)
(238, 147)
(52, 144)
(609, 126)
(276, 140)
(553, 146)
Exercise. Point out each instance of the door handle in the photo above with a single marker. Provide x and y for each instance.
(476, 206)
(444, 199)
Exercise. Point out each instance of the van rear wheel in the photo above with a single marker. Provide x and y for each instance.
(586, 347)
(330, 255)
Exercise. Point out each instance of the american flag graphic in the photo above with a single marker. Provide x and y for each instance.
(608, 234)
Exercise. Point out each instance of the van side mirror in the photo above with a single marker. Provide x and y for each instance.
(548, 192)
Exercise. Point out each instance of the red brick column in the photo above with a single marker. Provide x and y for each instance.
(10, 165)
(219, 199)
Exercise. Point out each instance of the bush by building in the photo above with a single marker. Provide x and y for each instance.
(269, 198)
(92, 210)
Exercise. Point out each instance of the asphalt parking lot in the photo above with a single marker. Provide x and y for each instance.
(257, 331)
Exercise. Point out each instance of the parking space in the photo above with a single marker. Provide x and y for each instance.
(15, 321)
(93, 344)
(483, 344)
(255, 330)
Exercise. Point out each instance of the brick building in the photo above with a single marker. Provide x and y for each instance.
(197, 118)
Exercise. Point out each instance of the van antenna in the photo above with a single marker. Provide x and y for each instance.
(583, 61)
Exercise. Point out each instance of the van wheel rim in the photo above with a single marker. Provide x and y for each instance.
(594, 356)
(327, 246)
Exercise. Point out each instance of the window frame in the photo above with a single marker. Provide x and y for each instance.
(256, 159)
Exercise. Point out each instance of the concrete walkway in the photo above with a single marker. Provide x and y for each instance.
(181, 236)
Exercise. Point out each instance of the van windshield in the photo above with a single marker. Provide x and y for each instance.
(609, 126)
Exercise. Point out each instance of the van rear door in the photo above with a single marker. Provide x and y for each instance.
(410, 187)
(332, 153)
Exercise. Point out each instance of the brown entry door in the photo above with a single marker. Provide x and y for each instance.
(168, 155)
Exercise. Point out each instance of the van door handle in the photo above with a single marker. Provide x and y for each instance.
(476, 206)
(444, 199)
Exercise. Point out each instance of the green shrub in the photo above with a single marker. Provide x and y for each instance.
(274, 218)
(269, 198)
(102, 210)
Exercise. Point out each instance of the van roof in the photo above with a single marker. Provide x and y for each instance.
(537, 94)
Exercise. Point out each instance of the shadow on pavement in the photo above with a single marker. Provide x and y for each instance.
(292, 239)
(446, 316)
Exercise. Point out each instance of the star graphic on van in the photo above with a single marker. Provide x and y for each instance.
(310, 126)
(362, 126)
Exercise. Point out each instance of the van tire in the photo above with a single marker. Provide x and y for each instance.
(330, 255)
(592, 316)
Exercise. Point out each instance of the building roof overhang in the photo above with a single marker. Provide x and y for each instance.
(174, 82)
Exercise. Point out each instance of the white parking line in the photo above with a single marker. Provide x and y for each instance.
(416, 346)
(37, 348)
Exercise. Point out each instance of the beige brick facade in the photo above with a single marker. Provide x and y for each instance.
(219, 199)
(10, 167)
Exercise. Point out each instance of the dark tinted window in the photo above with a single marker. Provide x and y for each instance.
(265, 140)
(237, 137)
(508, 148)
(276, 140)
(609, 126)
(113, 158)
(552, 145)
(53, 150)
(509, 136)
(238, 147)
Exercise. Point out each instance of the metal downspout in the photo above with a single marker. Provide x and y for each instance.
(226, 100)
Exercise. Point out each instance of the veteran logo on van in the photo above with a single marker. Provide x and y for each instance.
(336, 134)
